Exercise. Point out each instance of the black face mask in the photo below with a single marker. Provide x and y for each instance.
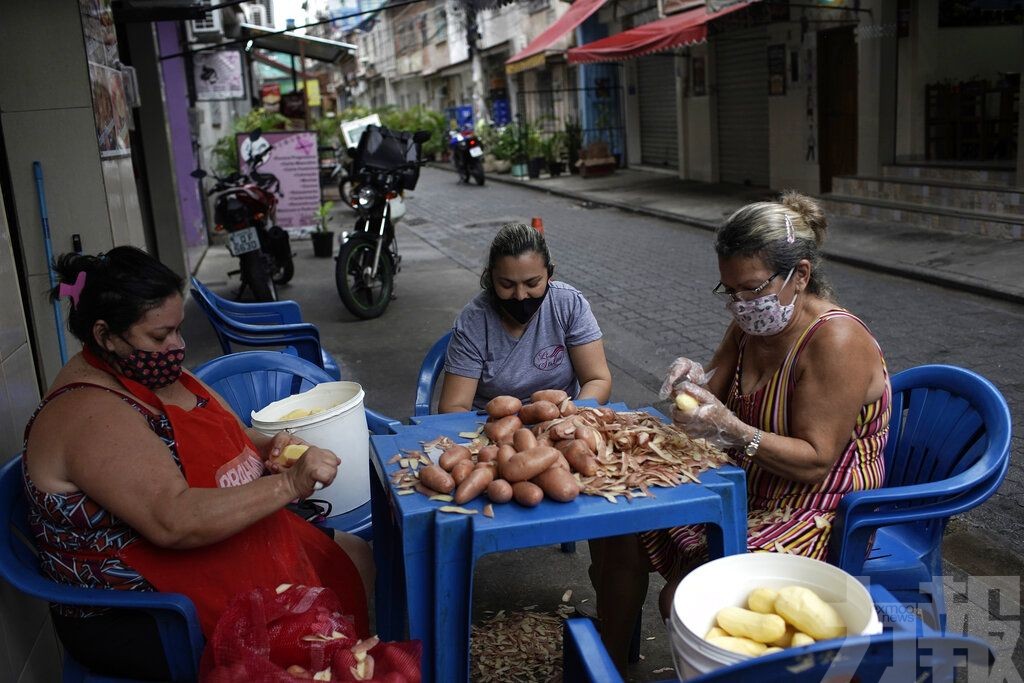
(522, 310)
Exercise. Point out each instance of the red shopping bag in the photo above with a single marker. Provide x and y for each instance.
(292, 634)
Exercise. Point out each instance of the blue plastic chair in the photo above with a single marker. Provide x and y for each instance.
(903, 656)
(430, 372)
(252, 380)
(271, 323)
(948, 451)
(174, 614)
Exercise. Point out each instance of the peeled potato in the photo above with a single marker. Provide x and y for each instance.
(289, 454)
(801, 639)
(686, 403)
(295, 414)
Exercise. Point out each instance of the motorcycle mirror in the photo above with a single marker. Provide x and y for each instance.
(198, 174)
(255, 135)
(421, 136)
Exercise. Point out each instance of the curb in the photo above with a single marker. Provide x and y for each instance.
(909, 272)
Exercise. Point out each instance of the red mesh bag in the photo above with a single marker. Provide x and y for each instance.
(280, 637)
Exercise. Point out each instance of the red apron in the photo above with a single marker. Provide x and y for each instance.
(281, 548)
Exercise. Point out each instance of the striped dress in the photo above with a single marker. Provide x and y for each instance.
(784, 515)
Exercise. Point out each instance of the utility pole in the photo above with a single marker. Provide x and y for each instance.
(472, 40)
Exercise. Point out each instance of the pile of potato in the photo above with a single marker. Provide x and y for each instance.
(516, 465)
(775, 619)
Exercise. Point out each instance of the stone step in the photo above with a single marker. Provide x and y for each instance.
(983, 197)
(955, 173)
(946, 219)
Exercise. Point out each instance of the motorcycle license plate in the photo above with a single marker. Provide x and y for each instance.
(475, 152)
(243, 241)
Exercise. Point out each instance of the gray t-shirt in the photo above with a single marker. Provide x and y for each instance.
(482, 348)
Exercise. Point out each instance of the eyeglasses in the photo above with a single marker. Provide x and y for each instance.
(724, 292)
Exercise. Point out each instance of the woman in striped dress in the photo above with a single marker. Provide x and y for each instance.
(800, 397)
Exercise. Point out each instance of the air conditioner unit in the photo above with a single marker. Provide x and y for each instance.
(255, 14)
(208, 29)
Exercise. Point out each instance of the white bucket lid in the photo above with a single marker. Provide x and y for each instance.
(330, 398)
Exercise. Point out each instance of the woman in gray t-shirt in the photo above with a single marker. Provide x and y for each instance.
(524, 332)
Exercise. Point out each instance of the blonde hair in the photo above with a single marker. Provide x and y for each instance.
(781, 233)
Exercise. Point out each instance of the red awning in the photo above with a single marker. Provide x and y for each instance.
(576, 15)
(675, 31)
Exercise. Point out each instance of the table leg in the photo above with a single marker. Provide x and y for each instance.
(453, 585)
(389, 599)
(730, 538)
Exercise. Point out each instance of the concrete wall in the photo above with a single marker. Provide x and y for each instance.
(932, 54)
(790, 126)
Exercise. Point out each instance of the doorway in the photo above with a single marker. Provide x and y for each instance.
(837, 105)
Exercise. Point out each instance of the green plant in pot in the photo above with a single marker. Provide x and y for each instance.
(323, 239)
(520, 150)
(534, 152)
(553, 148)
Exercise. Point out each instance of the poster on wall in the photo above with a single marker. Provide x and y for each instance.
(109, 102)
(218, 75)
(285, 163)
(270, 97)
(110, 111)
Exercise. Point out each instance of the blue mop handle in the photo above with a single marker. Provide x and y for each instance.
(37, 169)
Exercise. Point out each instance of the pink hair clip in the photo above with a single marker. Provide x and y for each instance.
(790, 232)
(74, 291)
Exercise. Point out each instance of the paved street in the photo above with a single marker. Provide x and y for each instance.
(649, 283)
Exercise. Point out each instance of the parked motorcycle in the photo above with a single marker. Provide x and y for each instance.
(246, 207)
(467, 155)
(341, 175)
(384, 165)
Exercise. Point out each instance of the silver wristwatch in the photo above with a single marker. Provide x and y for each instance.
(751, 447)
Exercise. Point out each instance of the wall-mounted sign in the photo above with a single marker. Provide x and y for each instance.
(777, 69)
(270, 97)
(218, 75)
(287, 164)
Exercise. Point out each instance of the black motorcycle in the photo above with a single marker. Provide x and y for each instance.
(246, 207)
(467, 155)
(384, 165)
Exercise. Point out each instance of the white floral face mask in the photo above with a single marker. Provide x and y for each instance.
(763, 316)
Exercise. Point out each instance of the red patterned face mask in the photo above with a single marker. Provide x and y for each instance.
(152, 369)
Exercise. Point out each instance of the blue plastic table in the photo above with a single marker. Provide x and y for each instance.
(425, 559)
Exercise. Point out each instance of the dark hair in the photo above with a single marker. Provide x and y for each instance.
(120, 287)
(515, 239)
(760, 229)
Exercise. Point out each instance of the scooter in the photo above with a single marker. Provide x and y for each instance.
(246, 208)
(384, 165)
(467, 155)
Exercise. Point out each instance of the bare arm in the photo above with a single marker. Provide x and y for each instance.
(119, 462)
(591, 368)
(838, 373)
(457, 393)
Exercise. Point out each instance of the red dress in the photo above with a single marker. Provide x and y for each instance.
(215, 452)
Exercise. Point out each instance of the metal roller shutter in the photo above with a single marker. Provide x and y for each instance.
(656, 88)
(741, 66)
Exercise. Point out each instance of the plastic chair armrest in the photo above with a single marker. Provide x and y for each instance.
(584, 655)
(861, 512)
(264, 312)
(379, 424)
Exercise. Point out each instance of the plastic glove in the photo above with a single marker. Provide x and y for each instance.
(682, 369)
(711, 420)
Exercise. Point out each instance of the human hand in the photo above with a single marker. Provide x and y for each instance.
(277, 444)
(711, 420)
(682, 369)
(316, 466)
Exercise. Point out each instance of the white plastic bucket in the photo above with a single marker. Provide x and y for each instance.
(340, 427)
(728, 581)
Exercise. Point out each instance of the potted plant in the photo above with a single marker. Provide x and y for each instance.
(553, 148)
(520, 155)
(323, 239)
(573, 142)
(534, 152)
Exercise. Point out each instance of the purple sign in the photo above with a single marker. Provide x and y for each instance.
(287, 164)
